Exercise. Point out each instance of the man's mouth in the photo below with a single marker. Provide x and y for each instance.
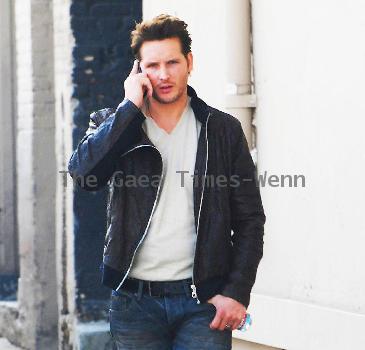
(165, 88)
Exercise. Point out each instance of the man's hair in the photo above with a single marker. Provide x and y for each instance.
(158, 28)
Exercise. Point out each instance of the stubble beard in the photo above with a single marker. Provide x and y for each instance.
(170, 99)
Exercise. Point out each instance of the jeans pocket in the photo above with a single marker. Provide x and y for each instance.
(121, 301)
(209, 306)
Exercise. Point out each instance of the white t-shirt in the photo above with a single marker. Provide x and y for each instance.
(167, 251)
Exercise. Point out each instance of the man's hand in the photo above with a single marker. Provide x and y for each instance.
(135, 85)
(229, 311)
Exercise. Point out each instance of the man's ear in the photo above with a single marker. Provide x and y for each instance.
(190, 61)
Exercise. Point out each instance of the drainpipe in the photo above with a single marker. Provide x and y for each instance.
(239, 99)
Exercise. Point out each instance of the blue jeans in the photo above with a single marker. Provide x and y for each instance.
(175, 322)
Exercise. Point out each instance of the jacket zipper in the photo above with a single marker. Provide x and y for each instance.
(193, 286)
(153, 209)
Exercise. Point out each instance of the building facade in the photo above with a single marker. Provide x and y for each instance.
(291, 72)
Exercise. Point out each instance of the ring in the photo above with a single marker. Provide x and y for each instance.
(242, 322)
(228, 326)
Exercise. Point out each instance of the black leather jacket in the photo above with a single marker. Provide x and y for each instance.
(116, 147)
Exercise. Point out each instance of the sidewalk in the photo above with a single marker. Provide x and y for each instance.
(5, 345)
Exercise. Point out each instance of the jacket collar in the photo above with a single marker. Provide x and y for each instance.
(199, 107)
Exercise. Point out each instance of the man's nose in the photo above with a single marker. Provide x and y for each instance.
(164, 73)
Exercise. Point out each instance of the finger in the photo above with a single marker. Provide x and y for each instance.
(241, 319)
(134, 68)
(150, 88)
(147, 83)
(216, 321)
(224, 322)
(235, 325)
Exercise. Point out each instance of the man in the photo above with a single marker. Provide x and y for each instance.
(181, 180)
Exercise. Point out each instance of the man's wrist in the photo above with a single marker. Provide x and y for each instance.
(127, 100)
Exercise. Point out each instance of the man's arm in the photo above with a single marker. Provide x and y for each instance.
(248, 221)
(95, 157)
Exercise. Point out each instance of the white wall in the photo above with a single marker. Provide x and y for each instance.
(309, 78)
(309, 75)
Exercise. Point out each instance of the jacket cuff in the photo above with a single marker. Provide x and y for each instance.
(240, 293)
(131, 105)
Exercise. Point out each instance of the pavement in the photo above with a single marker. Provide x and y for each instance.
(5, 345)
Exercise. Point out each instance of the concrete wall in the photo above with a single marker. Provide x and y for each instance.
(9, 258)
(309, 73)
(64, 107)
(36, 174)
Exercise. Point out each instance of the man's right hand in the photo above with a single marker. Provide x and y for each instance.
(135, 85)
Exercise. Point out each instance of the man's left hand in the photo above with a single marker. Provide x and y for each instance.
(229, 311)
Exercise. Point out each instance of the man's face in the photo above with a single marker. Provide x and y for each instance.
(167, 68)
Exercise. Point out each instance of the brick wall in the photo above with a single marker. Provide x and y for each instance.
(102, 60)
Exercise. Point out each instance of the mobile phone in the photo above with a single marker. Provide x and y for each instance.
(140, 71)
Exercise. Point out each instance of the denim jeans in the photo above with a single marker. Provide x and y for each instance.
(175, 322)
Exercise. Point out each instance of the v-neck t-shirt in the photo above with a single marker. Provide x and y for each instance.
(167, 251)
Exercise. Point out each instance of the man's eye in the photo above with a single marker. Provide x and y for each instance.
(172, 62)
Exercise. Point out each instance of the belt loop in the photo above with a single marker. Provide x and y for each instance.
(186, 288)
(140, 290)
